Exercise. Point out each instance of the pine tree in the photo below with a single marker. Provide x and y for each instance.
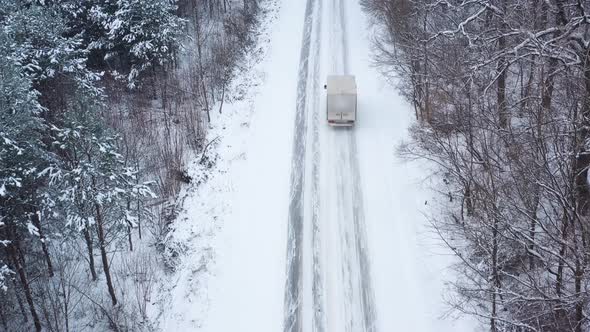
(130, 35)
(21, 152)
(92, 183)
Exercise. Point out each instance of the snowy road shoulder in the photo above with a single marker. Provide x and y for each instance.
(408, 277)
(184, 298)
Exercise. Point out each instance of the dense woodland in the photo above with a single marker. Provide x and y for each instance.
(501, 89)
(101, 102)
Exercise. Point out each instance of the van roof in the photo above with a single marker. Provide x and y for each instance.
(341, 84)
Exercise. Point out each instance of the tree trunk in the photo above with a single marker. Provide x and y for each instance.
(154, 86)
(222, 97)
(562, 251)
(66, 303)
(468, 199)
(561, 314)
(583, 156)
(3, 316)
(13, 252)
(103, 253)
(532, 230)
(88, 239)
(502, 70)
(138, 219)
(579, 277)
(495, 276)
(425, 79)
(201, 72)
(164, 84)
(206, 99)
(129, 227)
(20, 302)
(129, 238)
(46, 313)
(37, 222)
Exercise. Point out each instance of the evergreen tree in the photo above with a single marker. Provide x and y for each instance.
(93, 185)
(21, 153)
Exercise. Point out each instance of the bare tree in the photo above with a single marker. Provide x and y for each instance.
(505, 120)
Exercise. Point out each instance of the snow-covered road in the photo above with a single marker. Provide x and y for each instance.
(328, 274)
(322, 228)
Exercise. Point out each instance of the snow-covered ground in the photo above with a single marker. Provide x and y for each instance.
(300, 226)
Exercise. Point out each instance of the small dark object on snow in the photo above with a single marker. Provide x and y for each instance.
(182, 175)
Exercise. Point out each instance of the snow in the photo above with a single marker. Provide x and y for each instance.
(33, 230)
(218, 217)
(370, 262)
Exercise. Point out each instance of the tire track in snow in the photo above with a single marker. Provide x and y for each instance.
(359, 241)
(360, 232)
(319, 319)
(293, 287)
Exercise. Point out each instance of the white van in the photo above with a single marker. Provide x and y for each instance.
(341, 101)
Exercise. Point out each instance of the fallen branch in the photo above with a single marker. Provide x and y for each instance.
(205, 149)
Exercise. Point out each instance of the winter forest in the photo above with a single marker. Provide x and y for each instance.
(104, 104)
(101, 103)
(501, 89)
